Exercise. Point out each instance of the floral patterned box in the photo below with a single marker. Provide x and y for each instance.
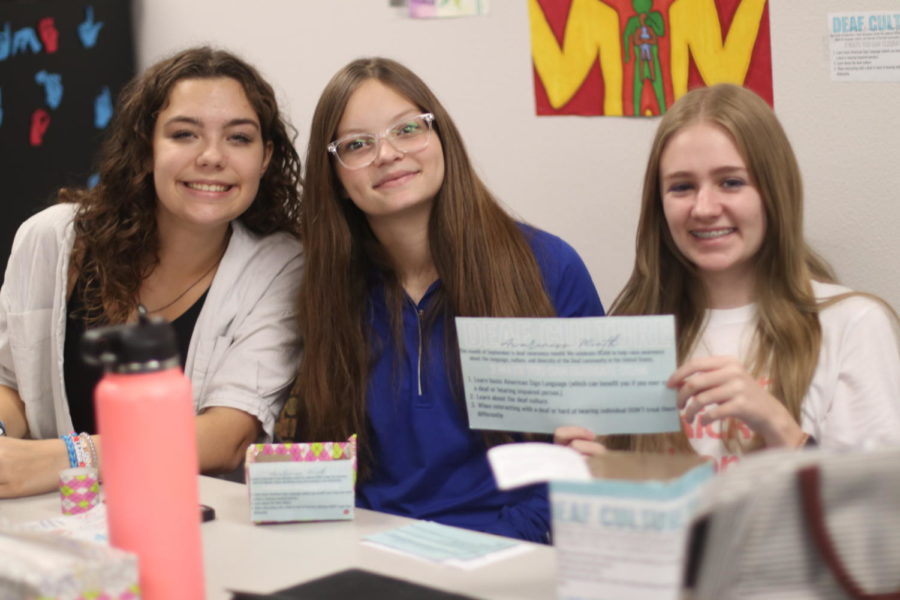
(294, 482)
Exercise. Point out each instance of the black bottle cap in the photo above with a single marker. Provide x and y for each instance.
(145, 346)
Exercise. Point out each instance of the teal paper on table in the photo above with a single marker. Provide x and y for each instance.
(437, 542)
(604, 373)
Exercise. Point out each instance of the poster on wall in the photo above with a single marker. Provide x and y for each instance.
(430, 9)
(62, 63)
(865, 46)
(636, 57)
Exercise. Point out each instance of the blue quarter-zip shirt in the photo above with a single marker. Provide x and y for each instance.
(428, 463)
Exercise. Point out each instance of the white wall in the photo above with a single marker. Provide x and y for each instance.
(577, 177)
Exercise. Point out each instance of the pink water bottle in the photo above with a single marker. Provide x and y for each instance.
(145, 419)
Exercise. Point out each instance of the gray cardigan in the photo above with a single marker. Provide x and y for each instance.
(244, 349)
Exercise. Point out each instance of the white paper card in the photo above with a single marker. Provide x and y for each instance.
(301, 490)
(605, 373)
(864, 45)
(516, 465)
(88, 526)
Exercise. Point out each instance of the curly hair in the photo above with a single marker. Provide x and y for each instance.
(117, 218)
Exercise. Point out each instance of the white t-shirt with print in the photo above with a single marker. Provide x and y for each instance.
(854, 397)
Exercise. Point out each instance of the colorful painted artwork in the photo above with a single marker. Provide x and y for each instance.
(636, 57)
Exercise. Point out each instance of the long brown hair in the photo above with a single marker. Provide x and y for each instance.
(788, 335)
(484, 262)
(117, 218)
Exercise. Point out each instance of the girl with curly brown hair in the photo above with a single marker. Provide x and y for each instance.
(195, 219)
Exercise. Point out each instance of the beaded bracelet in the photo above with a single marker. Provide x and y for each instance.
(70, 447)
(81, 450)
(91, 449)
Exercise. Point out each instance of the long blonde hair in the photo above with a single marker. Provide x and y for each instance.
(788, 335)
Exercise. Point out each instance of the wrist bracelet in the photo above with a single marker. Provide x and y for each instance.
(70, 447)
(92, 450)
(81, 453)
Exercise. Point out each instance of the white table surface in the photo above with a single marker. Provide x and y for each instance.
(263, 558)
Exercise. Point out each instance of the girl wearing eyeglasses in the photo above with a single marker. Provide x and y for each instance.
(401, 236)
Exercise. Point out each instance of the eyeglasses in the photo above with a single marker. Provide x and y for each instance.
(359, 150)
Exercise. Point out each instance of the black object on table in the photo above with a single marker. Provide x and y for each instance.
(355, 584)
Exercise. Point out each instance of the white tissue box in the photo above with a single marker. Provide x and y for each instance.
(51, 567)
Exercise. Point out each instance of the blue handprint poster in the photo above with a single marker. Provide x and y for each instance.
(62, 62)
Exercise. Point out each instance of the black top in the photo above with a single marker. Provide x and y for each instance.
(81, 378)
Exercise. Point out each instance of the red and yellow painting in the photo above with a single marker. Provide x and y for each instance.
(636, 57)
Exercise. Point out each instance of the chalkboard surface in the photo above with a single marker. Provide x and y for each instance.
(62, 63)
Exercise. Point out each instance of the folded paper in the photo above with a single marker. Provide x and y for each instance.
(619, 519)
(632, 519)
